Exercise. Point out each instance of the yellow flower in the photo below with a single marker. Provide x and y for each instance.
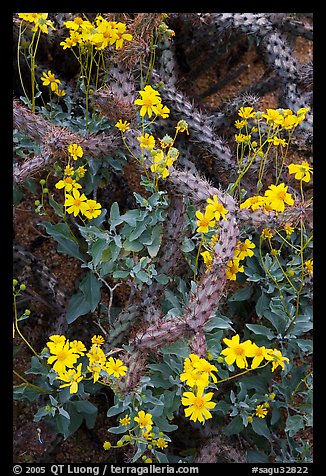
(78, 347)
(146, 141)
(116, 367)
(301, 114)
(182, 126)
(216, 208)
(149, 99)
(67, 43)
(69, 170)
(290, 122)
(75, 151)
(62, 357)
(237, 352)
(208, 260)
(60, 92)
(123, 126)
(121, 35)
(277, 359)
(309, 265)
(261, 411)
(277, 196)
(92, 209)
(232, 268)
(253, 202)
(242, 138)
(80, 172)
(50, 80)
(148, 436)
(72, 377)
(240, 124)
(278, 141)
(273, 117)
(267, 233)
(39, 19)
(95, 368)
(195, 378)
(302, 171)
(244, 249)
(205, 221)
(162, 111)
(203, 365)
(68, 184)
(258, 353)
(288, 228)
(144, 420)
(189, 362)
(98, 340)
(246, 112)
(75, 203)
(161, 443)
(198, 405)
(125, 421)
(96, 355)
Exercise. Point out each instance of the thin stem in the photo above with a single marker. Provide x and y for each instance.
(17, 328)
(242, 373)
(28, 383)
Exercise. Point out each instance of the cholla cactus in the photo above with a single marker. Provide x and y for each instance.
(54, 141)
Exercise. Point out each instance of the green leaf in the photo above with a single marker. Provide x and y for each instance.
(242, 294)
(278, 320)
(257, 457)
(187, 245)
(120, 274)
(262, 304)
(140, 228)
(162, 278)
(117, 429)
(132, 246)
(294, 424)
(37, 368)
(66, 244)
(164, 425)
(261, 330)
(62, 424)
(131, 217)
(179, 348)
(161, 457)
(57, 207)
(17, 196)
(260, 427)
(115, 218)
(90, 286)
(154, 247)
(77, 306)
(115, 409)
(217, 322)
(64, 413)
(235, 426)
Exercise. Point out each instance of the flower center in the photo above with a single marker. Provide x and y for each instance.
(62, 355)
(281, 195)
(199, 402)
(204, 222)
(239, 350)
(77, 203)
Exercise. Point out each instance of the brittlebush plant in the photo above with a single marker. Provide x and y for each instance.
(246, 380)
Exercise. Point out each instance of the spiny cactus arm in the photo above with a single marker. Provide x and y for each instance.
(205, 299)
(199, 125)
(289, 24)
(54, 141)
(254, 23)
